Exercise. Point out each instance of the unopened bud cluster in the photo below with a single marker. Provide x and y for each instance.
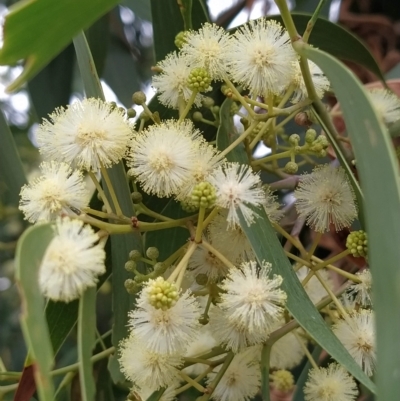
(357, 243)
(199, 80)
(203, 195)
(180, 39)
(283, 380)
(162, 294)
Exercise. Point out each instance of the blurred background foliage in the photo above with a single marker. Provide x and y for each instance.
(122, 46)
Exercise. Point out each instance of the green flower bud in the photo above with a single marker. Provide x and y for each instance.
(135, 255)
(139, 98)
(291, 168)
(199, 80)
(207, 102)
(203, 195)
(357, 243)
(311, 134)
(162, 294)
(130, 266)
(197, 116)
(202, 279)
(152, 253)
(131, 113)
(180, 39)
(282, 380)
(131, 286)
(215, 109)
(113, 105)
(159, 267)
(144, 116)
(294, 139)
(137, 197)
(188, 206)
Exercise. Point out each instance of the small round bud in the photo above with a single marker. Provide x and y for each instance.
(152, 253)
(162, 294)
(226, 91)
(180, 39)
(215, 109)
(291, 168)
(135, 255)
(203, 195)
(159, 267)
(316, 147)
(197, 116)
(199, 80)
(294, 139)
(188, 206)
(131, 286)
(311, 134)
(282, 380)
(139, 98)
(130, 266)
(113, 105)
(357, 243)
(202, 279)
(302, 119)
(297, 149)
(207, 102)
(136, 197)
(122, 110)
(323, 153)
(323, 140)
(131, 113)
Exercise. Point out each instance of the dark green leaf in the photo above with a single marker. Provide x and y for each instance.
(36, 31)
(379, 176)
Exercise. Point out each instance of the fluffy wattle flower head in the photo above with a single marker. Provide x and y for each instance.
(386, 104)
(72, 262)
(357, 334)
(161, 157)
(363, 289)
(330, 384)
(237, 187)
(172, 82)
(165, 330)
(319, 79)
(206, 48)
(54, 193)
(241, 380)
(261, 57)
(325, 197)
(252, 297)
(271, 205)
(147, 368)
(87, 134)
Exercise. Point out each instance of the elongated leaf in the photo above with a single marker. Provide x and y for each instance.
(266, 246)
(335, 40)
(379, 175)
(11, 170)
(37, 30)
(86, 337)
(30, 250)
(120, 245)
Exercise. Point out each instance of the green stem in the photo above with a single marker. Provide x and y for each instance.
(238, 140)
(188, 106)
(210, 217)
(100, 191)
(287, 20)
(183, 263)
(306, 351)
(104, 174)
(240, 98)
(143, 209)
(186, 10)
(211, 387)
(312, 21)
(192, 382)
(331, 260)
(267, 159)
(296, 243)
(197, 379)
(218, 254)
(314, 245)
(199, 228)
(265, 357)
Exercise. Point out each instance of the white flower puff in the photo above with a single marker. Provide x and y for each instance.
(166, 331)
(325, 196)
(252, 298)
(54, 193)
(73, 261)
(237, 187)
(261, 57)
(161, 158)
(88, 134)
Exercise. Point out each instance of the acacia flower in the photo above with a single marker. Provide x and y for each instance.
(172, 82)
(330, 384)
(252, 297)
(206, 48)
(357, 334)
(386, 104)
(161, 157)
(363, 289)
(237, 187)
(261, 57)
(54, 193)
(165, 330)
(72, 262)
(87, 134)
(241, 380)
(146, 367)
(320, 81)
(325, 196)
